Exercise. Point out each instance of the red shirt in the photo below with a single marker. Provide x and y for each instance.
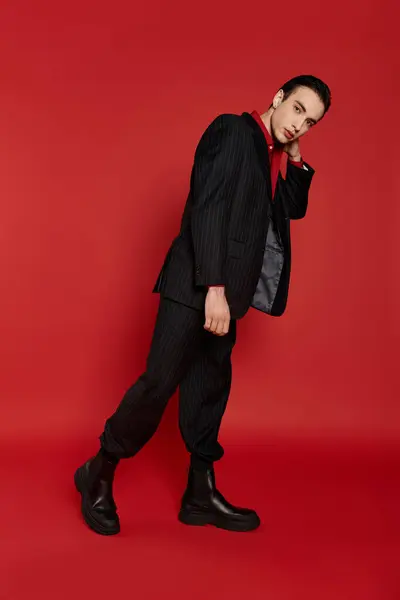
(275, 152)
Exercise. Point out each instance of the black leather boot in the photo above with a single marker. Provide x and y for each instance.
(202, 504)
(94, 480)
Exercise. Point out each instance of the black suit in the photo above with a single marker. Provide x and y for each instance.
(228, 212)
(231, 234)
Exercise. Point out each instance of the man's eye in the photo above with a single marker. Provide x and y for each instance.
(310, 123)
(296, 108)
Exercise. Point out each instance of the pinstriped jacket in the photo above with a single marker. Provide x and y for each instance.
(231, 232)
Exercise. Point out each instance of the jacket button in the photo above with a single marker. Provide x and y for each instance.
(197, 270)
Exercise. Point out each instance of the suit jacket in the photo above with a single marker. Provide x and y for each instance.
(231, 232)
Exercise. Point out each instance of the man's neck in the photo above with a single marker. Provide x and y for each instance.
(266, 119)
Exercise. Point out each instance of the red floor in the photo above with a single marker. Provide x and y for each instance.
(331, 527)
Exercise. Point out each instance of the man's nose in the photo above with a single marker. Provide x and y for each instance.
(297, 125)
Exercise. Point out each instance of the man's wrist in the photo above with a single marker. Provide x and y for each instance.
(218, 289)
(296, 158)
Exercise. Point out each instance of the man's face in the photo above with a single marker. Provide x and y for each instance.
(294, 116)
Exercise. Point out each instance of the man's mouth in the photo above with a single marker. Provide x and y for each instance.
(289, 134)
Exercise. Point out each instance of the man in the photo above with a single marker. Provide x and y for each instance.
(232, 252)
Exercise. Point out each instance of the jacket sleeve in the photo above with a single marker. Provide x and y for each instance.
(293, 191)
(218, 164)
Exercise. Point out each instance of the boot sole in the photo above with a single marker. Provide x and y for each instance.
(200, 519)
(80, 484)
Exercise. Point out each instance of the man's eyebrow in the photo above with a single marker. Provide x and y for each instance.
(301, 105)
(304, 109)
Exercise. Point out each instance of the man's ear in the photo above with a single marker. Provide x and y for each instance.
(278, 99)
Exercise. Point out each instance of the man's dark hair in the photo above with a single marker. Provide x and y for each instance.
(309, 81)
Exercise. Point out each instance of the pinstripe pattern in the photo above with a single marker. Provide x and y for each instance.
(225, 221)
(181, 352)
(204, 394)
(221, 241)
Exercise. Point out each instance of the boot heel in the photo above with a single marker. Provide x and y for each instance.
(78, 480)
(193, 518)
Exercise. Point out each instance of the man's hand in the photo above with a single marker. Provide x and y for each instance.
(217, 311)
(292, 149)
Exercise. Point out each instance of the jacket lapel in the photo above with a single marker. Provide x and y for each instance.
(262, 150)
(273, 260)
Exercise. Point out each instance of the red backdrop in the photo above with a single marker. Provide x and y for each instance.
(86, 218)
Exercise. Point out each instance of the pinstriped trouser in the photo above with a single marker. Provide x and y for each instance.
(182, 354)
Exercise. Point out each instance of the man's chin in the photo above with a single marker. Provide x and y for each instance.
(279, 139)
